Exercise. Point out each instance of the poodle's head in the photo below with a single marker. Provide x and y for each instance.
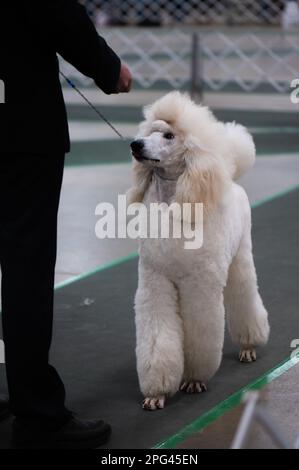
(184, 138)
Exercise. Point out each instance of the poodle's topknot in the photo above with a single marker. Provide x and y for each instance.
(228, 141)
(180, 111)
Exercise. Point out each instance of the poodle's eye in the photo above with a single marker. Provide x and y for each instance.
(168, 136)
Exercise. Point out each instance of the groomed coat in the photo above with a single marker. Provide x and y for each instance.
(184, 154)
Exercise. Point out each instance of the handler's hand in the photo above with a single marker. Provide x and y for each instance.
(125, 80)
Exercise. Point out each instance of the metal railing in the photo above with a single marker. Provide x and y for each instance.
(211, 61)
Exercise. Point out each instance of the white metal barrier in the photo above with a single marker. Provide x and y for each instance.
(209, 61)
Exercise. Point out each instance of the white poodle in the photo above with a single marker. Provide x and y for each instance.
(183, 154)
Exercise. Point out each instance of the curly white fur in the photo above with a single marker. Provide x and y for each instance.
(183, 295)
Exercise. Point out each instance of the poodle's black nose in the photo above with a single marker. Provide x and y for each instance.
(137, 145)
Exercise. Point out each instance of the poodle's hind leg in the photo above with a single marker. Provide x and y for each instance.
(246, 315)
(159, 350)
(203, 318)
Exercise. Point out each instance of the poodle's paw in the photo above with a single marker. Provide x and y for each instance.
(193, 387)
(247, 355)
(152, 404)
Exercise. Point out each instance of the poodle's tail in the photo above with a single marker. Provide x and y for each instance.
(241, 152)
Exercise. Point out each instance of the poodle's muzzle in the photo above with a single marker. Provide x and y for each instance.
(138, 151)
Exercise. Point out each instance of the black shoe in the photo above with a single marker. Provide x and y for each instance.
(4, 409)
(73, 435)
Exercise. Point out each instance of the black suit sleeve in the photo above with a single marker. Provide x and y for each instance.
(66, 26)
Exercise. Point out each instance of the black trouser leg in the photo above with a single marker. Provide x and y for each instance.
(29, 198)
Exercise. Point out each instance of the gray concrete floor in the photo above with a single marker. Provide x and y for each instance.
(79, 250)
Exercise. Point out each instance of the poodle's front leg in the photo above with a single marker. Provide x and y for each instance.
(246, 314)
(159, 338)
(202, 310)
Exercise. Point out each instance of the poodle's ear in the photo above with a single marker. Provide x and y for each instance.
(239, 149)
(142, 176)
(204, 178)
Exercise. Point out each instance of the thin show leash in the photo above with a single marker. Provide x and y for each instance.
(72, 85)
(91, 105)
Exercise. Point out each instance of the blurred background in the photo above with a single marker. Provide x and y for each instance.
(237, 56)
(242, 45)
(240, 58)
